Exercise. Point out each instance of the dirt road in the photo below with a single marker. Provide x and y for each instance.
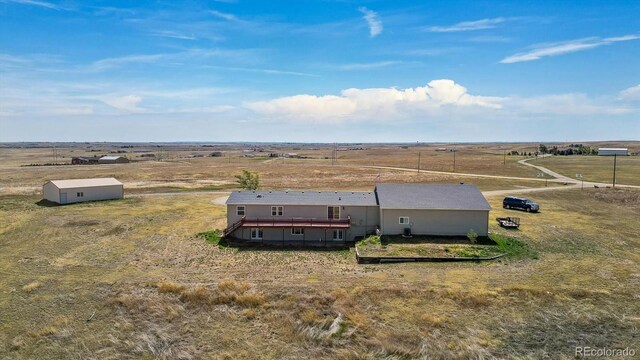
(556, 178)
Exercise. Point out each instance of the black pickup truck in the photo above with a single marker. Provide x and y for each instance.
(512, 202)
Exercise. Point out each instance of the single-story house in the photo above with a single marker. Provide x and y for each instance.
(326, 217)
(613, 151)
(308, 216)
(432, 209)
(113, 160)
(80, 190)
(85, 160)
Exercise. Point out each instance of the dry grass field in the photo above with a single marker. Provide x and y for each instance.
(132, 279)
(212, 174)
(158, 290)
(596, 168)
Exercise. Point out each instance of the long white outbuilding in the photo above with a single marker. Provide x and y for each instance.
(613, 151)
(80, 190)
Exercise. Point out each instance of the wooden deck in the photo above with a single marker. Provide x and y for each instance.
(274, 222)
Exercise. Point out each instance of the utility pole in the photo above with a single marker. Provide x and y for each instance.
(333, 154)
(581, 178)
(454, 159)
(418, 162)
(504, 157)
(615, 160)
(541, 175)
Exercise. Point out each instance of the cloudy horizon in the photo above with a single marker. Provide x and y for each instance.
(324, 71)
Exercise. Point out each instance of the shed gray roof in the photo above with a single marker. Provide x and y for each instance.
(431, 196)
(80, 183)
(306, 197)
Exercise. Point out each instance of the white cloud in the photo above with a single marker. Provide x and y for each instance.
(128, 103)
(469, 25)
(374, 103)
(565, 48)
(566, 104)
(187, 55)
(217, 109)
(109, 63)
(225, 16)
(173, 35)
(43, 4)
(260, 70)
(367, 66)
(631, 94)
(490, 39)
(373, 20)
(75, 110)
(439, 99)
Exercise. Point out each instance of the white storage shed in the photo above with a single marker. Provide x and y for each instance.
(613, 151)
(80, 190)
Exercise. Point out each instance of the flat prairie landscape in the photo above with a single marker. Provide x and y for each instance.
(596, 168)
(135, 278)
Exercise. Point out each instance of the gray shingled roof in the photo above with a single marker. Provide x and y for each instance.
(306, 197)
(431, 196)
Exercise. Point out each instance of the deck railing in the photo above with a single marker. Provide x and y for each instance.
(273, 221)
(233, 227)
(296, 221)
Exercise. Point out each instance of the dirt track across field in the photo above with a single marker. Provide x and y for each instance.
(568, 182)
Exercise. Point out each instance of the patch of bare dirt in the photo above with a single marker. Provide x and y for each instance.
(619, 197)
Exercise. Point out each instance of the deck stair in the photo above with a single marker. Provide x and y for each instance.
(235, 226)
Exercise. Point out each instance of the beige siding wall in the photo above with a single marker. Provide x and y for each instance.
(93, 193)
(364, 219)
(311, 236)
(50, 192)
(435, 222)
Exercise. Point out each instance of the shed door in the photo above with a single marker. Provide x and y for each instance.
(63, 198)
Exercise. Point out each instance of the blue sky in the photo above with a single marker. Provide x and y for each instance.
(319, 71)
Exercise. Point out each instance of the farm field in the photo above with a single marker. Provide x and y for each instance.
(596, 168)
(153, 288)
(210, 175)
(176, 169)
(217, 173)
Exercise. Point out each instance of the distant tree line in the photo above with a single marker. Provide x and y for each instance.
(572, 149)
(522, 153)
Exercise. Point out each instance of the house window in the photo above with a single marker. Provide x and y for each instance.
(240, 210)
(277, 210)
(80, 194)
(404, 220)
(333, 212)
(297, 231)
(256, 233)
(338, 235)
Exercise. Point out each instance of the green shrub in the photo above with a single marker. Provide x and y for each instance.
(248, 180)
(370, 240)
(515, 248)
(473, 236)
(212, 236)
